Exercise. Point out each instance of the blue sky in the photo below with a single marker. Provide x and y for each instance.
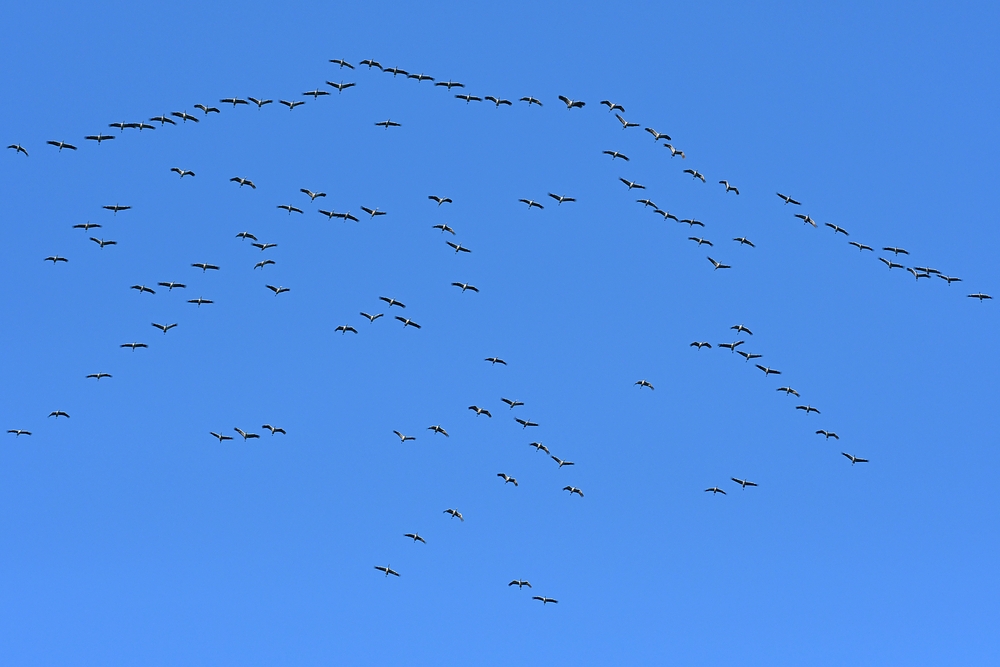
(131, 535)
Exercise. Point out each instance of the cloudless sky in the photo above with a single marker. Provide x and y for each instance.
(129, 535)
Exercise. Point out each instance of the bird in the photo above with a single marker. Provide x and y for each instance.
(246, 235)
(980, 295)
(645, 383)
(278, 290)
(142, 126)
(700, 345)
(395, 70)
(87, 226)
(61, 145)
(539, 447)
(454, 514)
(18, 148)
(747, 356)
(520, 583)
(372, 212)
(164, 327)
(274, 429)
(695, 174)
(498, 100)
(205, 267)
(699, 240)
(200, 301)
(246, 436)
(507, 478)
(458, 247)
(184, 116)
(292, 104)
(927, 269)
(243, 181)
(116, 207)
(742, 482)
(344, 328)
(860, 246)
(466, 286)
(544, 599)
(18, 432)
(233, 100)
(495, 360)
(343, 63)
(449, 84)
(341, 86)
(182, 172)
(732, 346)
(892, 265)
(469, 98)
(316, 93)
(525, 423)
(658, 135)
(788, 390)
(387, 123)
(675, 152)
(260, 102)
(221, 437)
(896, 251)
(289, 208)
(739, 328)
(667, 215)
(404, 438)
(99, 137)
(98, 376)
(415, 537)
(444, 228)
(691, 222)
(612, 106)
(437, 429)
(949, 279)
(918, 274)
(371, 318)
(561, 198)
(632, 184)
(512, 403)
(744, 241)
(715, 490)
(392, 302)
(55, 259)
(312, 195)
(480, 411)
(133, 345)
(806, 408)
(162, 119)
(206, 109)
(264, 246)
(530, 101)
(768, 371)
(371, 63)
(572, 490)
(854, 459)
(407, 322)
(530, 203)
(625, 124)
(561, 462)
(420, 77)
(570, 104)
(719, 265)
(828, 434)
(102, 242)
(616, 154)
(648, 202)
(806, 219)
(388, 570)
(59, 413)
(729, 187)
(171, 285)
(836, 229)
(787, 199)
(440, 200)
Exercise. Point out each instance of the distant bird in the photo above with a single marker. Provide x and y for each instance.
(530, 203)
(561, 462)
(466, 286)
(233, 100)
(182, 172)
(480, 411)
(87, 226)
(200, 301)
(55, 259)
(855, 459)
(836, 229)
(729, 187)
(658, 135)
(647, 203)
(133, 345)
(807, 408)
(341, 86)
(415, 537)
(691, 222)
(719, 265)
(715, 490)
(312, 195)
(372, 212)
(700, 345)
(243, 181)
(742, 482)
(98, 376)
(18, 148)
(221, 437)
(407, 322)
(99, 137)
(739, 328)
(344, 328)
(404, 438)
(675, 152)
(530, 101)
(289, 208)
(59, 413)
(246, 435)
(495, 360)
(162, 119)
(644, 383)
(444, 228)
(264, 246)
(293, 103)
(520, 583)
(61, 145)
(246, 235)
(544, 599)
(747, 356)
(184, 116)
(205, 109)
(570, 104)
(732, 346)
(918, 274)
(507, 479)
(539, 447)
(667, 215)
(261, 264)
(454, 514)
(102, 242)
(561, 198)
(512, 403)
(440, 200)
(806, 219)
(787, 199)
(420, 77)
(437, 429)
(18, 432)
(744, 241)
(828, 434)
(616, 154)
(115, 208)
(260, 102)
(612, 106)
(695, 174)
(498, 101)
(572, 490)
(164, 327)
(371, 318)
(625, 124)
(343, 63)
(860, 246)
(768, 371)
(525, 423)
(274, 429)
(371, 63)
(458, 247)
(278, 290)
(927, 269)
(896, 251)
(980, 295)
(632, 184)
(469, 98)
(387, 123)
(892, 265)
(392, 302)
(388, 570)
(449, 84)
(316, 93)
(699, 240)
(949, 279)
(205, 267)
(788, 390)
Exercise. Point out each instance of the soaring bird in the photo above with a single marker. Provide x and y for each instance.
(243, 181)
(221, 437)
(700, 345)
(61, 145)
(438, 429)
(658, 135)
(807, 408)
(55, 259)
(102, 242)
(454, 514)
(572, 490)
(918, 274)
(415, 537)
(719, 265)
(747, 356)
(59, 413)
(949, 279)
(392, 302)
(440, 200)
(768, 371)
(246, 235)
(162, 120)
(647, 203)
(980, 295)
(855, 459)
(18, 432)
(205, 266)
(742, 482)
(294, 103)
(572, 103)
(539, 447)
(206, 109)
(860, 246)
(729, 187)
(667, 215)
(87, 226)
(246, 436)
(343, 63)
(561, 462)
(387, 123)
(395, 70)
(99, 137)
(316, 93)
(469, 98)
(264, 246)
(371, 63)
(371, 318)
(788, 390)
(892, 265)
(480, 411)
(699, 240)
(695, 174)
(344, 328)
(530, 101)
(274, 429)
(896, 251)
(525, 423)
(625, 124)
(632, 184)
(530, 203)
(458, 247)
(184, 116)
(744, 241)
(836, 229)
(18, 148)
(171, 285)
(182, 172)
(372, 212)
(388, 570)
(495, 360)
(200, 301)
(404, 438)
(520, 583)
(644, 383)
(828, 434)
(674, 151)
(312, 195)
(420, 77)
(407, 322)
(114, 208)
(466, 286)
(98, 376)
(133, 346)
(449, 84)
(806, 219)
(233, 100)
(691, 222)
(732, 346)
(616, 154)
(715, 490)
(341, 86)
(507, 478)
(260, 102)
(561, 198)
(612, 106)
(278, 290)
(512, 403)
(498, 100)
(739, 328)
(546, 600)
(289, 208)
(164, 327)
(787, 199)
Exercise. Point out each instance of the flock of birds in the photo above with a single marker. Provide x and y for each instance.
(742, 333)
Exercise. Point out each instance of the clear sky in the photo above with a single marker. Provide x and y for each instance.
(129, 535)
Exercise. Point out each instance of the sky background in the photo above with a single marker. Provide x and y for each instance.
(131, 536)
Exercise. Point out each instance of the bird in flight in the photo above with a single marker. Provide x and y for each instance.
(691, 222)
(806, 219)
(99, 137)
(836, 229)
(87, 226)
(860, 246)
(561, 198)
(633, 184)
(278, 290)
(700, 345)
(469, 98)
(182, 172)
(264, 246)
(648, 202)
(344, 328)
(695, 174)
(312, 195)
(570, 104)
(440, 200)
(729, 187)
(98, 376)
(60, 145)
(747, 356)
(200, 301)
(744, 241)
(674, 152)
(184, 116)
(18, 148)
(507, 479)
(420, 77)
(372, 212)
(616, 154)
(117, 207)
(788, 390)
(560, 461)
(246, 435)
(387, 123)
(458, 247)
(892, 265)
(388, 570)
(732, 346)
(699, 240)
(715, 490)
(520, 583)
(667, 215)
(102, 242)
(454, 514)
(221, 437)
(466, 286)
(572, 490)
(739, 328)
(437, 429)
(274, 429)
(392, 302)
(855, 459)
(449, 84)
(371, 318)
(742, 482)
(171, 285)
(371, 63)
(539, 447)
(295, 103)
(133, 345)
(625, 124)
(531, 203)
(828, 434)
(530, 101)
(260, 102)
(233, 100)
(162, 120)
(658, 135)
(719, 265)
(980, 295)
(343, 63)
(206, 109)
(395, 70)
(341, 87)
(243, 181)
(612, 106)
(55, 259)
(58, 413)
(896, 251)
(205, 266)
(787, 199)
(407, 322)
(18, 432)
(512, 403)
(768, 371)
(164, 327)
(807, 408)
(316, 93)
(525, 423)
(544, 599)
(480, 411)
(498, 100)
(289, 208)
(415, 537)
(644, 383)
(404, 438)
(949, 279)
(495, 360)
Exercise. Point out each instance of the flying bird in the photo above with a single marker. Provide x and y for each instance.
(787, 199)
(420, 77)
(133, 345)
(102, 242)
(525, 423)
(164, 327)
(371, 318)
(675, 152)
(658, 135)
(59, 413)
(507, 479)
(261, 264)
(233, 100)
(312, 195)
(99, 137)
(647, 203)
(498, 101)
(344, 328)
(372, 212)
(98, 376)
(289, 208)
(739, 328)
(806, 219)
(612, 106)
(539, 447)
(715, 490)
(87, 226)
(855, 459)
(182, 172)
(466, 286)
(415, 537)
(295, 103)
(246, 235)
(631, 184)
(892, 265)
(371, 63)
(806, 408)
(644, 383)
(980, 295)
(440, 200)
(561, 462)
(458, 247)
(454, 514)
(949, 279)
(341, 86)
(388, 123)
(719, 265)
(860, 246)
(55, 259)
(828, 434)
(18, 432)
(260, 102)
(667, 215)
(437, 429)
(788, 390)
(616, 154)
(896, 251)
(625, 124)
(747, 356)
(200, 301)
(407, 322)
(699, 240)
(316, 93)
(512, 403)
(768, 371)
(205, 267)
(388, 570)
(836, 229)
(530, 101)
(404, 438)
(392, 302)
(561, 198)
(544, 599)
(520, 583)
(729, 187)
(572, 490)
(469, 98)
(744, 241)
(695, 174)
(691, 222)
(480, 411)
(162, 120)
(18, 148)
(742, 482)
(449, 84)
(243, 181)
(278, 290)
(206, 109)
(343, 63)
(246, 436)
(700, 345)
(572, 103)
(184, 116)
(264, 246)
(116, 207)
(60, 145)
(495, 360)
(530, 203)
(732, 346)
(221, 437)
